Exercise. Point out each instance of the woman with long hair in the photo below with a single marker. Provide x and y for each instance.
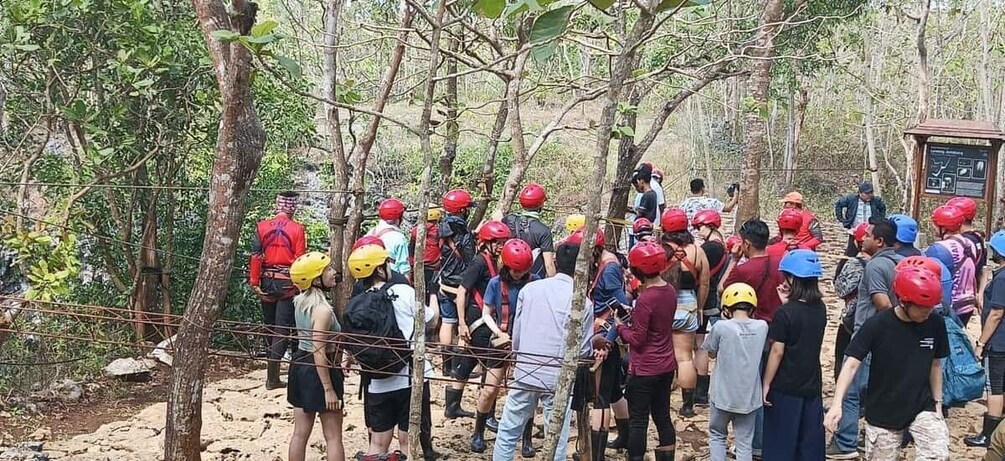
(689, 273)
(316, 386)
(707, 224)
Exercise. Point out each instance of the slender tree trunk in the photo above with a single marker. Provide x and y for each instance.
(148, 273)
(985, 9)
(923, 103)
(622, 191)
(239, 148)
(340, 164)
(790, 134)
(452, 124)
(802, 101)
(487, 180)
(873, 77)
(520, 157)
(754, 130)
(419, 356)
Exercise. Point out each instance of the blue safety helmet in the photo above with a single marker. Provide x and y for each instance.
(940, 253)
(997, 243)
(907, 228)
(802, 264)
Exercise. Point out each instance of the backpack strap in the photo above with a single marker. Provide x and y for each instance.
(968, 251)
(278, 232)
(714, 271)
(479, 298)
(453, 246)
(596, 278)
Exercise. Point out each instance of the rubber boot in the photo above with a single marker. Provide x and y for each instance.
(428, 452)
(492, 423)
(599, 444)
(527, 444)
(687, 409)
(984, 438)
(621, 442)
(272, 380)
(701, 391)
(478, 444)
(452, 404)
(448, 363)
(661, 455)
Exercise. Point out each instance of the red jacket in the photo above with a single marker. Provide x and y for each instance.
(779, 248)
(810, 235)
(276, 244)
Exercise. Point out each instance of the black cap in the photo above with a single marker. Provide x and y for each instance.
(865, 188)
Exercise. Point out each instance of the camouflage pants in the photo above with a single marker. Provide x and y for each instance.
(931, 439)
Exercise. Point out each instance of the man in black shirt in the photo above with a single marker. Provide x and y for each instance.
(649, 203)
(526, 225)
(905, 380)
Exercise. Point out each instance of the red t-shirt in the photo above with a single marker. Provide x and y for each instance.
(650, 335)
(762, 274)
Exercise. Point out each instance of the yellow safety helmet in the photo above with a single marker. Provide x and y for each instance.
(308, 267)
(434, 213)
(365, 259)
(739, 293)
(574, 222)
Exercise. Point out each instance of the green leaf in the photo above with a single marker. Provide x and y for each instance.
(671, 4)
(225, 35)
(550, 25)
(291, 66)
(627, 131)
(143, 83)
(491, 9)
(601, 4)
(263, 28)
(263, 39)
(27, 47)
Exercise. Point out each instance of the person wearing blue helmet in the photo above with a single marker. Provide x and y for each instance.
(991, 343)
(945, 259)
(907, 233)
(793, 379)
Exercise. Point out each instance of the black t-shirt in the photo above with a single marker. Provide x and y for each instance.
(455, 258)
(902, 356)
(396, 278)
(536, 234)
(649, 206)
(475, 278)
(800, 327)
(715, 252)
(982, 251)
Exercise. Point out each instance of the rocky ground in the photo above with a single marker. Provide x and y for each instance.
(241, 420)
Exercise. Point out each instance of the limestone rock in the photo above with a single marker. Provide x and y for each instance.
(127, 368)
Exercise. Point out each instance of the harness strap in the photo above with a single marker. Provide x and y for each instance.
(479, 299)
(504, 307)
(596, 278)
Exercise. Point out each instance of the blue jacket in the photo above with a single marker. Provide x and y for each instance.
(847, 207)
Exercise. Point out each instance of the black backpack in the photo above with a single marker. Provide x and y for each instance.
(374, 339)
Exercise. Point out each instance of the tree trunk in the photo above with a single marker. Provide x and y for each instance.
(873, 77)
(622, 190)
(754, 130)
(144, 296)
(520, 160)
(790, 134)
(340, 164)
(923, 96)
(487, 181)
(802, 101)
(984, 8)
(451, 123)
(239, 148)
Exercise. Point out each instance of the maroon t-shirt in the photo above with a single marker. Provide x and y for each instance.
(761, 273)
(650, 335)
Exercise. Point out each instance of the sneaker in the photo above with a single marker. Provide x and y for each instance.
(833, 452)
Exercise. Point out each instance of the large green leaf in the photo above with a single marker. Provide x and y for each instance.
(671, 4)
(292, 66)
(264, 28)
(602, 4)
(225, 35)
(489, 8)
(550, 25)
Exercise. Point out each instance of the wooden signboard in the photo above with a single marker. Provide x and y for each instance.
(957, 170)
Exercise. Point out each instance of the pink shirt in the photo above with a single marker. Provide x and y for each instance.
(964, 270)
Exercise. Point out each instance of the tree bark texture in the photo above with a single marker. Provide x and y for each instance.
(239, 148)
(452, 126)
(923, 98)
(487, 180)
(754, 130)
(340, 163)
(515, 123)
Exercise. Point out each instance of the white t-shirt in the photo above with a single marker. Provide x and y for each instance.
(692, 205)
(658, 188)
(404, 313)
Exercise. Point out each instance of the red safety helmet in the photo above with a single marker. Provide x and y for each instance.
(391, 209)
(533, 196)
(674, 220)
(642, 225)
(966, 204)
(576, 238)
(860, 231)
(367, 240)
(494, 230)
(517, 255)
(948, 217)
(648, 258)
(917, 286)
(928, 264)
(709, 218)
(456, 201)
(790, 219)
(732, 241)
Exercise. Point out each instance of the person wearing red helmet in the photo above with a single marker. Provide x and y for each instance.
(847, 277)
(689, 272)
(699, 200)
(388, 229)
(643, 229)
(498, 316)
(470, 303)
(277, 242)
(969, 208)
(810, 234)
(526, 225)
(948, 222)
(431, 257)
(789, 222)
(906, 345)
(707, 224)
(457, 248)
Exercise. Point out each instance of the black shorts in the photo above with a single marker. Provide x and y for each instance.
(305, 390)
(610, 389)
(996, 372)
(429, 277)
(481, 353)
(382, 412)
(707, 321)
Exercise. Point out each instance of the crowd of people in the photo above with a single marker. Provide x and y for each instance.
(736, 323)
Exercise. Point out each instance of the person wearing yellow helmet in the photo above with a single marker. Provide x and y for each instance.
(316, 386)
(388, 395)
(574, 221)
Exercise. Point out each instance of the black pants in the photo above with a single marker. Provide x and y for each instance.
(852, 248)
(840, 344)
(649, 397)
(278, 321)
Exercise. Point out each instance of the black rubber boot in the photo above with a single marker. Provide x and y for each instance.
(448, 363)
(452, 405)
(687, 409)
(492, 423)
(428, 452)
(527, 445)
(621, 442)
(984, 438)
(599, 445)
(701, 391)
(663, 455)
(478, 444)
(272, 380)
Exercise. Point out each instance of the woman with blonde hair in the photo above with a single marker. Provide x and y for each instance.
(316, 386)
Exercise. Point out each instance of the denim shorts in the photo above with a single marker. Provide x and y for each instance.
(685, 318)
(448, 307)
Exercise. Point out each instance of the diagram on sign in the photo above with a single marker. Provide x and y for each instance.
(956, 169)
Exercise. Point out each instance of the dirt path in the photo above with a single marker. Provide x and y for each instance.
(241, 420)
